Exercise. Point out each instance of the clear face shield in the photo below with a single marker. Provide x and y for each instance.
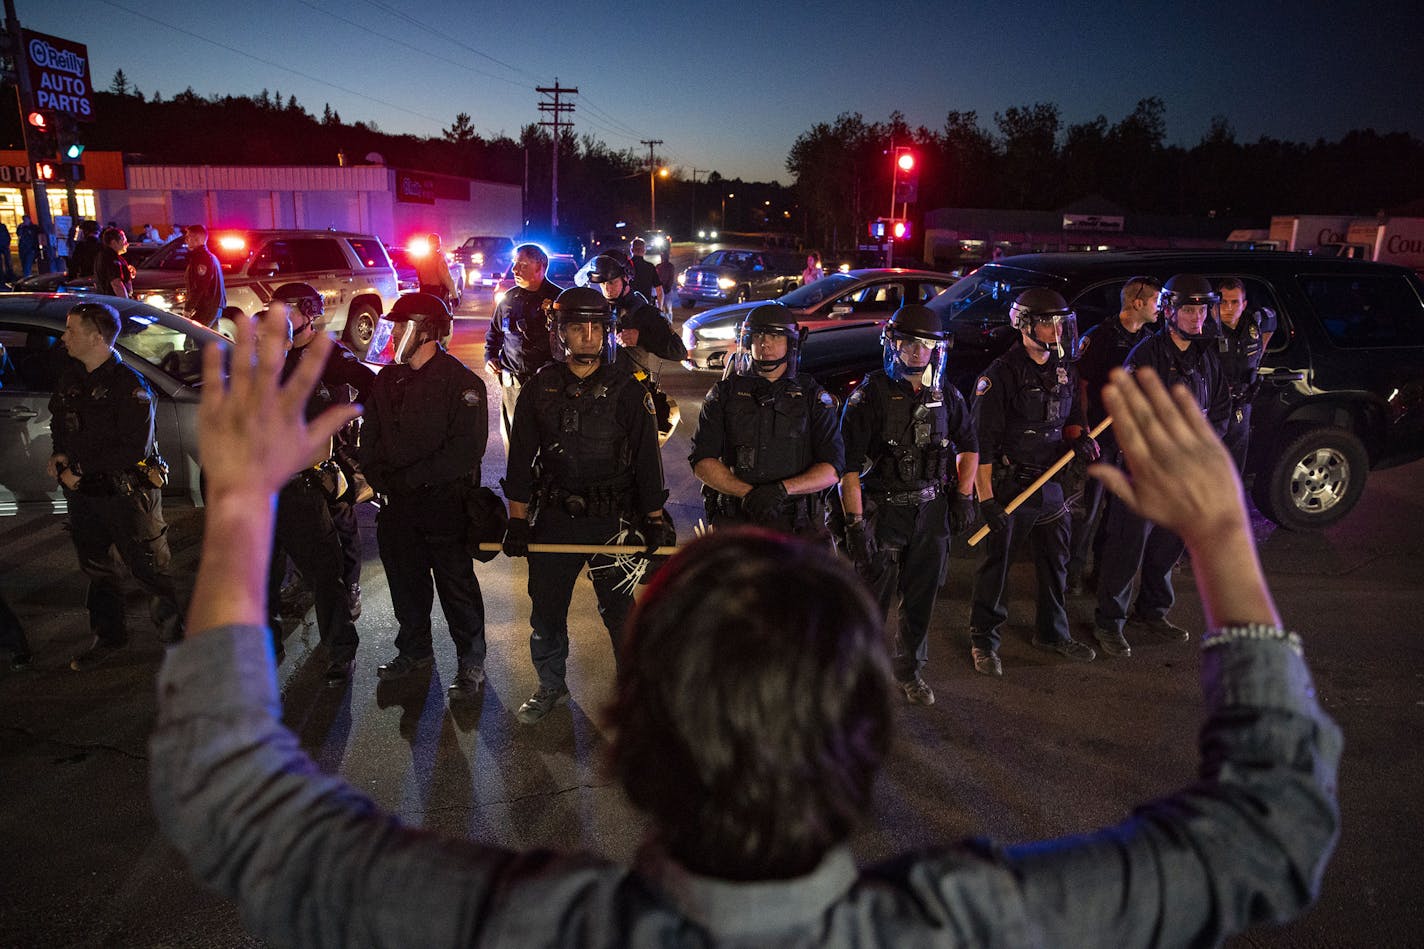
(409, 335)
(907, 357)
(583, 341)
(1056, 334)
(763, 349)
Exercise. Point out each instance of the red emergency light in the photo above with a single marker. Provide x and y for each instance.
(232, 242)
(418, 247)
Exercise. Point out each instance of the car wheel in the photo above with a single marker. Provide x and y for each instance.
(685, 302)
(360, 328)
(1315, 480)
(742, 295)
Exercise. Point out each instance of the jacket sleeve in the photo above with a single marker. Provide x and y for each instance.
(371, 449)
(494, 336)
(1246, 844)
(826, 445)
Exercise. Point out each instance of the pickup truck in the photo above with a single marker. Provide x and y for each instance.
(734, 275)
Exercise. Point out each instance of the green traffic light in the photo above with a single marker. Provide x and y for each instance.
(74, 151)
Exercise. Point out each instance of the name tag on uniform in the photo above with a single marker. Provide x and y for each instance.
(933, 405)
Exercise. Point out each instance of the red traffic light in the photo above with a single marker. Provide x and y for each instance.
(906, 161)
(44, 171)
(901, 230)
(38, 120)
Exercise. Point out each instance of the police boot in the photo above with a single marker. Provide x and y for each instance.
(469, 682)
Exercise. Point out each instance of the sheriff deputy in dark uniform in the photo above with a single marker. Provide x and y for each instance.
(911, 455)
(203, 278)
(1182, 352)
(1243, 342)
(645, 337)
(1101, 350)
(421, 444)
(583, 469)
(767, 442)
(517, 341)
(1027, 413)
(306, 532)
(106, 459)
(345, 378)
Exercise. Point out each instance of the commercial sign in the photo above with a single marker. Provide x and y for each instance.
(415, 188)
(1092, 222)
(59, 76)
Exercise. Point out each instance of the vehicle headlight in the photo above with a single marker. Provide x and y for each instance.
(719, 333)
(726, 283)
(477, 258)
(682, 279)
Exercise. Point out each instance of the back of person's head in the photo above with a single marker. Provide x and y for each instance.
(753, 711)
(109, 235)
(100, 317)
(198, 231)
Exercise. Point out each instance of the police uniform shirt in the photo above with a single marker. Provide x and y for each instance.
(645, 277)
(1003, 421)
(1102, 349)
(518, 336)
(863, 424)
(204, 279)
(344, 369)
(1240, 348)
(102, 420)
(787, 439)
(82, 257)
(108, 267)
(1197, 367)
(537, 436)
(425, 426)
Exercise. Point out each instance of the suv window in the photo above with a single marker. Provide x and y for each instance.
(370, 253)
(31, 359)
(299, 255)
(231, 250)
(1372, 310)
(985, 295)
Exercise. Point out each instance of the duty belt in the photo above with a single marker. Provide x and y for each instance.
(928, 493)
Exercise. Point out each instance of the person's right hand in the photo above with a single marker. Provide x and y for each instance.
(995, 517)
(516, 537)
(1179, 474)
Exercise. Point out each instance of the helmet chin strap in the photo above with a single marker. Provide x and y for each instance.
(585, 359)
(1055, 349)
(769, 365)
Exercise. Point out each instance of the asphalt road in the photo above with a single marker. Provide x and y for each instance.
(1053, 748)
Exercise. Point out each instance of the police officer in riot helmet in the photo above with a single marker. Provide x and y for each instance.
(1027, 412)
(422, 441)
(583, 469)
(767, 442)
(911, 455)
(304, 528)
(645, 337)
(346, 379)
(1244, 337)
(1183, 352)
(105, 458)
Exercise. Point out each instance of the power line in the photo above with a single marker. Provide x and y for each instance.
(272, 63)
(557, 108)
(379, 4)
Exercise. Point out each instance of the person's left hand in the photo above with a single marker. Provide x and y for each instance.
(1086, 448)
(963, 512)
(253, 434)
(628, 338)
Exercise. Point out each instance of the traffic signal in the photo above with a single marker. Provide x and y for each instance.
(73, 151)
(907, 176)
(70, 171)
(39, 122)
(44, 171)
(890, 228)
(900, 229)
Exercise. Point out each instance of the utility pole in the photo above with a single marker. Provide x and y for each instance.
(652, 182)
(692, 230)
(19, 59)
(558, 108)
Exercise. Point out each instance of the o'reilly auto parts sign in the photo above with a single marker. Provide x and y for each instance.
(59, 76)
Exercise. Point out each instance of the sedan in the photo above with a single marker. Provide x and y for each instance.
(871, 294)
(165, 349)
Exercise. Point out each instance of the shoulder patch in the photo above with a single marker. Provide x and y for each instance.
(648, 404)
(983, 385)
(471, 396)
(826, 399)
(141, 394)
(1083, 344)
(202, 270)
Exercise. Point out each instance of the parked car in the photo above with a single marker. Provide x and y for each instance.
(486, 259)
(1343, 376)
(165, 349)
(733, 275)
(352, 272)
(857, 295)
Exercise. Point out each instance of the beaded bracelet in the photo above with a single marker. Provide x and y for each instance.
(1226, 634)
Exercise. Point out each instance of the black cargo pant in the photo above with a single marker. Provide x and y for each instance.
(306, 532)
(421, 535)
(551, 588)
(912, 541)
(1044, 521)
(1134, 544)
(1237, 436)
(133, 524)
(1087, 533)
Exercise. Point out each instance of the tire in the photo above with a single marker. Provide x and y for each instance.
(360, 328)
(742, 295)
(685, 302)
(1314, 481)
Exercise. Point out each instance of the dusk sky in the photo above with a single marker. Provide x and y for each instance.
(730, 86)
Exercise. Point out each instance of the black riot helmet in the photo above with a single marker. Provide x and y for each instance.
(581, 305)
(605, 268)
(915, 324)
(1189, 289)
(302, 298)
(768, 319)
(1043, 307)
(418, 318)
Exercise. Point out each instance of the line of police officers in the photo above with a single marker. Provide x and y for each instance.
(913, 463)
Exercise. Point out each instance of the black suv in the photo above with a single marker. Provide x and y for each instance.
(1343, 377)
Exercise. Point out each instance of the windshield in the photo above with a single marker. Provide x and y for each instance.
(176, 352)
(985, 295)
(489, 246)
(232, 251)
(815, 292)
(561, 271)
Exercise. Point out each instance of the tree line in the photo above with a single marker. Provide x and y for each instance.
(1029, 159)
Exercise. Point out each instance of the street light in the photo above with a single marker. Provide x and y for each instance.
(653, 175)
(724, 208)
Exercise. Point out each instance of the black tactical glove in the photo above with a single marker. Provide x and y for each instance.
(963, 512)
(1086, 448)
(995, 517)
(657, 531)
(516, 537)
(860, 544)
(764, 501)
